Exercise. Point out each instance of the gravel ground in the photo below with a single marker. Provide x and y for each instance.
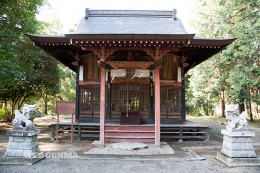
(189, 156)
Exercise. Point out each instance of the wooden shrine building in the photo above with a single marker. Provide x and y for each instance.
(130, 67)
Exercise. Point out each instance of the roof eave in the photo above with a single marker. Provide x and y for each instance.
(130, 36)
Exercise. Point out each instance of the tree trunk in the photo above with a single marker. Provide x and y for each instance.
(5, 104)
(250, 110)
(249, 104)
(6, 112)
(46, 104)
(20, 103)
(223, 103)
(256, 111)
(241, 107)
(12, 110)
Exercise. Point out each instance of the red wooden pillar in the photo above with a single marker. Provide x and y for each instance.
(157, 106)
(102, 106)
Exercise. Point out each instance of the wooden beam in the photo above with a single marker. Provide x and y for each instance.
(157, 107)
(130, 64)
(102, 106)
(183, 108)
(77, 96)
(89, 82)
(151, 115)
(170, 83)
(109, 94)
(131, 81)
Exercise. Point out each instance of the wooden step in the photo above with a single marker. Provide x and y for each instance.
(131, 137)
(130, 128)
(133, 131)
(145, 140)
(130, 133)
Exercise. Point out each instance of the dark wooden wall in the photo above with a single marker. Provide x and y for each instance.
(169, 67)
(91, 70)
(139, 95)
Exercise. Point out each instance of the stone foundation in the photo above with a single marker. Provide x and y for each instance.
(22, 143)
(22, 147)
(238, 144)
(236, 162)
(238, 149)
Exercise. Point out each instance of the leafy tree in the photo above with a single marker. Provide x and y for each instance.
(25, 71)
(238, 67)
(68, 84)
(200, 89)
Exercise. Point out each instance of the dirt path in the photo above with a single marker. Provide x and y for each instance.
(217, 123)
(190, 156)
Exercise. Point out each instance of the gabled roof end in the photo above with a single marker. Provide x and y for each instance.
(86, 13)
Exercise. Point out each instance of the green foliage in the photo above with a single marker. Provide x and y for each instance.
(16, 18)
(2, 114)
(200, 92)
(68, 84)
(26, 72)
(237, 69)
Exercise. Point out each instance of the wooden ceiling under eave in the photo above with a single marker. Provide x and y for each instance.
(195, 50)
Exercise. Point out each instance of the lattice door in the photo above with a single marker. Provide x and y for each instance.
(89, 99)
(131, 97)
(170, 100)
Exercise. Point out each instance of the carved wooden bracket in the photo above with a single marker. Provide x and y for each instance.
(101, 63)
(158, 63)
(183, 60)
(77, 58)
(156, 54)
(102, 52)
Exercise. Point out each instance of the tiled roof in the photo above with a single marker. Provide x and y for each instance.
(130, 22)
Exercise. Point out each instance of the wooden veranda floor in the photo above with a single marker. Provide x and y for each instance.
(114, 132)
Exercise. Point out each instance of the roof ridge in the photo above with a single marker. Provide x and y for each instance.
(131, 13)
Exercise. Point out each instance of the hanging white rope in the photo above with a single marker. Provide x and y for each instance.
(114, 76)
(141, 75)
(133, 76)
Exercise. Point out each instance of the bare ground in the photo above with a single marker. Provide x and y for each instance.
(190, 156)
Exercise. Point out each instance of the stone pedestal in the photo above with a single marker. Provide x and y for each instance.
(238, 143)
(22, 147)
(238, 149)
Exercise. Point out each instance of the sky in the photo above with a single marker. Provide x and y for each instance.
(69, 12)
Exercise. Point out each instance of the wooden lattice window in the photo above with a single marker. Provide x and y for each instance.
(89, 99)
(170, 100)
(131, 97)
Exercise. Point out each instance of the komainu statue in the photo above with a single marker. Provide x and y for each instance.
(237, 122)
(24, 120)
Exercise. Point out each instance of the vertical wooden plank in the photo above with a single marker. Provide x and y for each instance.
(151, 97)
(79, 132)
(72, 127)
(57, 129)
(92, 90)
(183, 108)
(102, 106)
(109, 95)
(53, 133)
(157, 107)
(77, 96)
